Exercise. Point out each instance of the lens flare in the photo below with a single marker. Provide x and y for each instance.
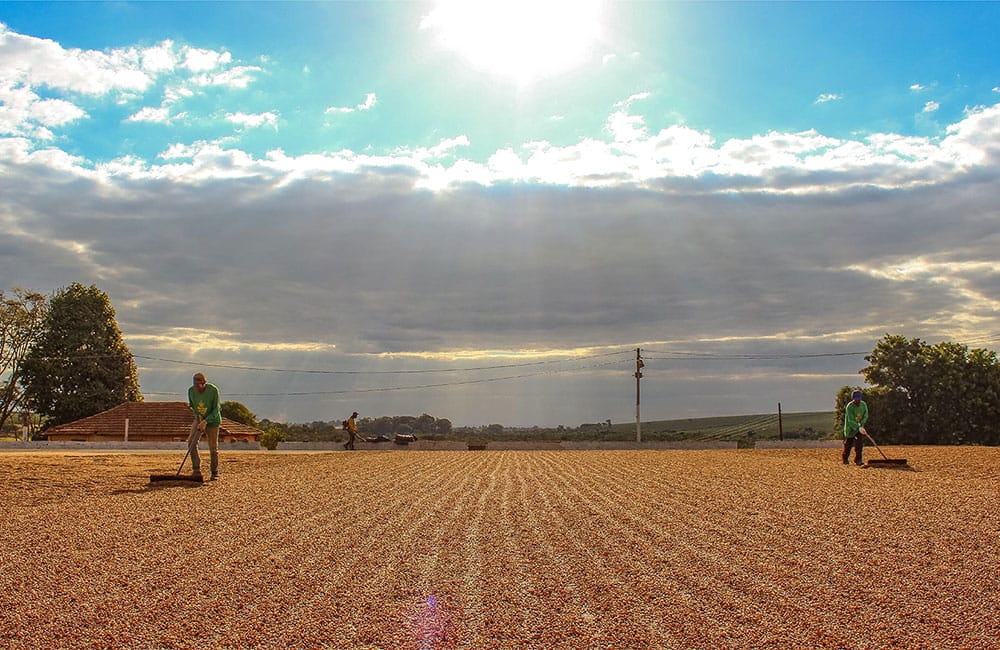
(430, 624)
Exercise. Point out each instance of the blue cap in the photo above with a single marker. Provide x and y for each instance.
(856, 396)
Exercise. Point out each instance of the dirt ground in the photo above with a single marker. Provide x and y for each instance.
(506, 549)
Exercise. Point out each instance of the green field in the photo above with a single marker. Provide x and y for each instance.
(811, 426)
(815, 425)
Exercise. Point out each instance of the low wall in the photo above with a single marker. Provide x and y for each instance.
(693, 444)
(419, 445)
(506, 445)
(797, 444)
(62, 445)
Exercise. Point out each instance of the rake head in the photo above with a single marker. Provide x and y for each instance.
(887, 462)
(189, 478)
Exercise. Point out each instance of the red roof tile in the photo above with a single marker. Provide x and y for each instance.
(147, 422)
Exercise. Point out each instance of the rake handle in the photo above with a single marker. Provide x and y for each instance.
(194, 443)
(865, 434)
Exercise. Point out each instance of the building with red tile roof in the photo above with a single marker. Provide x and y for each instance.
(145, 422)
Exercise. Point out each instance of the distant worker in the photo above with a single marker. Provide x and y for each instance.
(203, 398)
(855, 417)
(351, 426)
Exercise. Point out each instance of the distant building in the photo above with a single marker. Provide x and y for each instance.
(147, 422)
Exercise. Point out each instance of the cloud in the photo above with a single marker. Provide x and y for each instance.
(632, 156)
(28, 64)
(38, 62)
(625, 127)
(917, 87)
(931, 107)
(200, 60)
(24, 112)
(828, 97)
(669, 238)
(627, 103)
(235, 77)
(159, 58)
(149, 114)
(361, 265)
(368, 104)
(254, 120)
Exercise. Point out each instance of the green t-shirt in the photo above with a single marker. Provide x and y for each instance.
(855, 416)
(206, 405)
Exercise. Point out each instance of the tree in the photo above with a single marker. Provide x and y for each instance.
(238, 413)
(80, 365)
(271, 437)
(931, 394)
(424, 424)
(22, 320)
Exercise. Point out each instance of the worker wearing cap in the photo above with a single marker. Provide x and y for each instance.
(351, 425)
(855, 417)
(203, 398)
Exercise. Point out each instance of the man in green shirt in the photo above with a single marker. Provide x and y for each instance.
(203, 398)
(855, 417)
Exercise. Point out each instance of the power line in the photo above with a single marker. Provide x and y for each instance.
(379, 372)
(710, 355)
(421, 386)
(669, 355)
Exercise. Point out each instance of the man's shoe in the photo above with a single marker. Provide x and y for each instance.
(215, 477)
(859, 462)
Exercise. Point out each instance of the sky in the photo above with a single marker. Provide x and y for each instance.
(482, 211)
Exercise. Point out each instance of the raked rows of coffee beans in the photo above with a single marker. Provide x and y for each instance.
(543, 549)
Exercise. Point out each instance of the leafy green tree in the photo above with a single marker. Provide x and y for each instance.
(22, 320)
(238, 413)
(424, 424)
(442, 427)
(383, 426)
(80, 365)
(271, 437)
(931, 394)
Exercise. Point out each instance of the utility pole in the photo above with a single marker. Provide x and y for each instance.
(638, 375)
(781, 433)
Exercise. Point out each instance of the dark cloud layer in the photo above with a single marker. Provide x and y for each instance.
(370, 265)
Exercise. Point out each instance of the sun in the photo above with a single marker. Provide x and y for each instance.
(522, 40)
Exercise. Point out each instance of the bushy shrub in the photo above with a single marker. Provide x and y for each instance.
(271, 437)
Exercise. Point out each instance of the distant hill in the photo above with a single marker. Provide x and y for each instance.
(817, 425)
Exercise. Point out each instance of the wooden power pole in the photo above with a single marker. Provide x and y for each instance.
(638, 376)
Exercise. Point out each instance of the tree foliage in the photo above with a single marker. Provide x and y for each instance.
(425, 427)
(930, 394)
(22, 319)
(80, 365)
(271, 437)
(237, 412)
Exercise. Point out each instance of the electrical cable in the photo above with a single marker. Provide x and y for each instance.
(422, 386)
(381, 372)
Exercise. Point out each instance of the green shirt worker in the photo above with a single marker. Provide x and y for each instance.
(855, 417)
(203, 398)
